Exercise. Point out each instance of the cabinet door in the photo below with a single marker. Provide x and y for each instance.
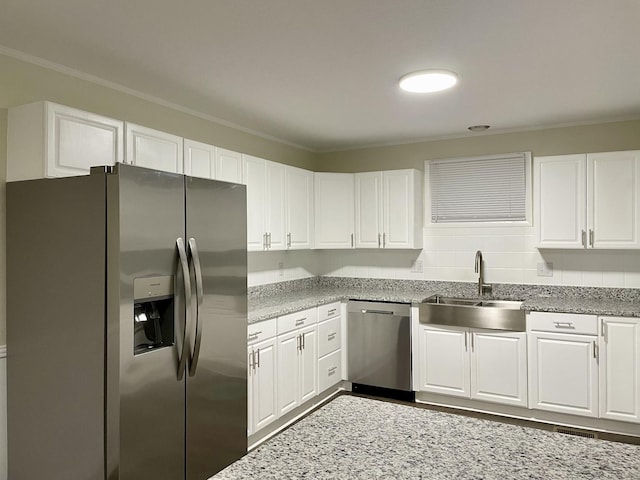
(368, 209)
(499, 367)
(229, 166)
(398, 209)
(255, 179)
(620, 369)
(274, 220)
(563, 373)
(444, 360)
(299, 208)
(78, 140)
(560, 201)
(334, 210)
(264, 394)
(288, 371)
(613, 193)
(153, 149)
(199, 159)
(309, 364)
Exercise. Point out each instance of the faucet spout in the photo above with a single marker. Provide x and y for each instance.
(479, 268)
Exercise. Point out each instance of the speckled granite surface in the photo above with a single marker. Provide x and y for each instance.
(269, 301)
(357, 438)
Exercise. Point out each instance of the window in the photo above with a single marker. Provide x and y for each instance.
(492, 188)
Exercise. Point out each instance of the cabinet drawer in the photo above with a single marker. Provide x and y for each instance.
(329, 338)
(328, 311)
(562, 323)
(256, 332)
(329, 370)
(289, 322)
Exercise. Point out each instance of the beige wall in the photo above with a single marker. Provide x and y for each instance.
(22, 82)
(554, 141)
(3, 177)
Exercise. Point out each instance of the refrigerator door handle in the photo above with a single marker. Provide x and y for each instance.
(183, 351)
(193, 249)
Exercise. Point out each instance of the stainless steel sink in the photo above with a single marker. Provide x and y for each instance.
(473, 313)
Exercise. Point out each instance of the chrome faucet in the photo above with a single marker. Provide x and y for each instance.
(482, 287)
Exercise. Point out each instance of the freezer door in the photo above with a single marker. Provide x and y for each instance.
(217, 379)
(145, 397)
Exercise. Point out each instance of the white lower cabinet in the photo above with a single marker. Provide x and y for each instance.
(478, 364)
(620, 368)
(499, 366)
(297, 368)
(261, 385)
(329, 346)
(563, 367)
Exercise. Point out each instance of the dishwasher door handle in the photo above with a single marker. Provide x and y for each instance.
(378, 312)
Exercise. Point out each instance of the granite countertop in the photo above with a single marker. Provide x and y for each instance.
(288, 297)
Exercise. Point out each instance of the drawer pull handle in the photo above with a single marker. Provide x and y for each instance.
(564, 325)
(331, 336)
(300, 321)
(254, 335)
(332, 371)
(332, 311)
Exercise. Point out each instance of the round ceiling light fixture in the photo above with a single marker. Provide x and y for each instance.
(427, 81)
(479, 128)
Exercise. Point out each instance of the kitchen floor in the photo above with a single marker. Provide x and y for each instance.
(360, 438)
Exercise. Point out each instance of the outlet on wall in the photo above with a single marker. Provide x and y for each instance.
(281, 269)
(417, 266)
(545, 269)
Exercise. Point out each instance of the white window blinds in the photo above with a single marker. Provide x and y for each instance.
(482, 189)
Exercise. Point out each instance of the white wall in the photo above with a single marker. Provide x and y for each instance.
(272, 267)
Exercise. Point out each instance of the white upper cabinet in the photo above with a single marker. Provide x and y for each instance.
(334, 210)
(265, 204)
(298, 208)
(150, 148)
(388, 209)
(613, 199)
(588, 200)
(206, 161)
(229, 165)
(49, 140)
(560, 192)
(199, 159)
(620, 368)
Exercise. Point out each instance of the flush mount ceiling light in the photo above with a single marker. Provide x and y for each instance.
(427, 81)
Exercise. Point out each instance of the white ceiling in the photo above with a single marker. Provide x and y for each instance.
(323, 73)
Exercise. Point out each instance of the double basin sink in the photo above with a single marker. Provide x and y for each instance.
(473, 313)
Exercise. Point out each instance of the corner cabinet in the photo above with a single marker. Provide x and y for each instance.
(388, 209)
(588, 200)
(45, 139)
(334, 210)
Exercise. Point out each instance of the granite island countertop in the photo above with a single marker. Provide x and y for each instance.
(288, 297)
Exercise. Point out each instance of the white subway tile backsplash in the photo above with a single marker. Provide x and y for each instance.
(509, 253)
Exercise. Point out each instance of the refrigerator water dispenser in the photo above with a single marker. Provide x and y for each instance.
(153, 313)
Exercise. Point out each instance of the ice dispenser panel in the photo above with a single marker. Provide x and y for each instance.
(153, 324)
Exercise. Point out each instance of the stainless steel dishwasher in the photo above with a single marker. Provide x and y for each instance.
(379, 348)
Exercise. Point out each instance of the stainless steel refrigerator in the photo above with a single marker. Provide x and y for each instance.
(126, 326)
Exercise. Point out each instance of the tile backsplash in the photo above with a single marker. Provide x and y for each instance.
(448, 254)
